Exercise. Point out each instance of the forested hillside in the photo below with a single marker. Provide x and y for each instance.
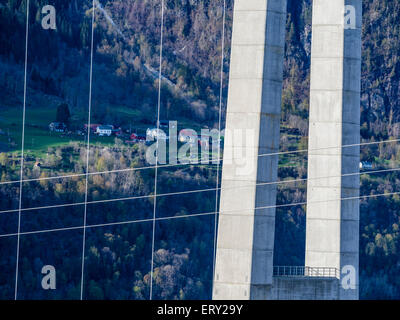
(125, 93)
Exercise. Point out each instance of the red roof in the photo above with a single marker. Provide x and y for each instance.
(93, 126)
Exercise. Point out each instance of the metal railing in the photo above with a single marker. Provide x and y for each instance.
(294, 271)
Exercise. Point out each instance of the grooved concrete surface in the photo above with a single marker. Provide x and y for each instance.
(332, 229)
(244, 257)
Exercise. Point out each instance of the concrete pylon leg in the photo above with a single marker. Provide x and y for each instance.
(244, 256)
(332, 234)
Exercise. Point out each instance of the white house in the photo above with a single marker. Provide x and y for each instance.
(365, 165)
(57, 127)
(104, 131)
(156, 133)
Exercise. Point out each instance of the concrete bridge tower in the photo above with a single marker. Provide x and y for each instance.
(332, 230)
(245, 246)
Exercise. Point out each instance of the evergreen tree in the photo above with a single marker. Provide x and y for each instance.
(63, 113)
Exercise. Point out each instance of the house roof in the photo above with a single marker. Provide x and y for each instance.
(188, 132)
(57, 124)
(93, 125)
(105, 127)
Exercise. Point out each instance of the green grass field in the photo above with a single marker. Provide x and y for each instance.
(38, 138)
